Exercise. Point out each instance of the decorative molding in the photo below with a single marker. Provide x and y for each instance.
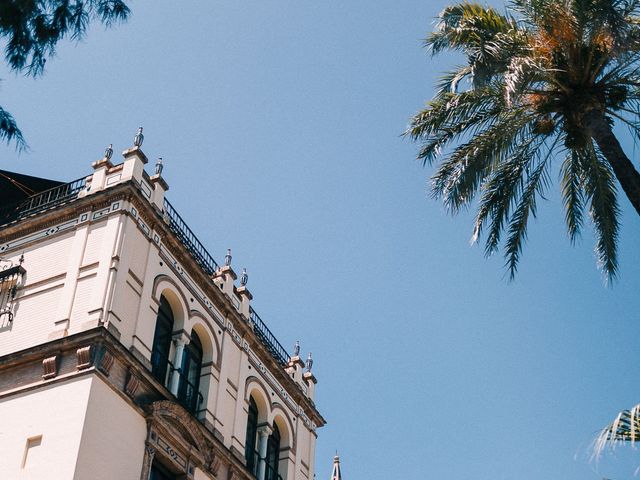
(49, 367)
(83, 355)
(106, 362)
(233, 474)
(214, 466)
(149, 453)
(131, 387)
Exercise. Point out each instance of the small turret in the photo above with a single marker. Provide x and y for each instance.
(335, 473)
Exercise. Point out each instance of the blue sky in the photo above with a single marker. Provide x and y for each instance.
(279, 123)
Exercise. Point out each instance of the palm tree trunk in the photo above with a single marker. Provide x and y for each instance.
(625, 172)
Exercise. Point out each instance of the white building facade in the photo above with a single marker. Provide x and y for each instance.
(127, 352)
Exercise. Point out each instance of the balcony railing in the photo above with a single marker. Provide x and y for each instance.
(267, 338)
(188, 394)
(42, 201)
(270, 473)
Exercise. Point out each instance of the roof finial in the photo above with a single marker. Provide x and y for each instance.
(335, 473)
(139, 138)
(227, 258)
(296, 349)
(309, 362)
(108, 152)
(159, 166)
(244, 278)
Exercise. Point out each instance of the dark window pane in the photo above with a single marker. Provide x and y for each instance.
(252, 431)
(160, 473)
(162, 342)
(189, 387)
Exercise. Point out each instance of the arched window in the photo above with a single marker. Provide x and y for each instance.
(189, 387)
(252, 432)
(162, 342)
(273, 455)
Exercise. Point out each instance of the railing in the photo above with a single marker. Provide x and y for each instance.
(267, 338)
(270, 473)
(69, 191)
(189, 239)
(189, 395)
(209, 265)
(163, 370)
(42, 201)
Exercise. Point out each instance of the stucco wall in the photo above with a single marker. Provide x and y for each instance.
(57, 413)
(66, 278)
(113, 437)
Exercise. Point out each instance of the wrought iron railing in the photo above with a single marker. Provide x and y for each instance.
(253, 463)
(42, 201)
(267, 338)
(209, 265)
(189, 239)
(69, 191)
(188, 395)
(271, 473)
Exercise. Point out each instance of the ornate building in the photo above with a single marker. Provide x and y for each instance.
(127, 352)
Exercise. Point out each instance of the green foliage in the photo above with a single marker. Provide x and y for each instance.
(527, 94)
(32, 29)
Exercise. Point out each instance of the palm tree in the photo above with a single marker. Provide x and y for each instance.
(543, 82)
(31, 30)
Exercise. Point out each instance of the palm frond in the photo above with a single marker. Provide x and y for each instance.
(459, 176)
(499, 193)
(600, 191)
(536, 183)
(572, 193)
(625, 428)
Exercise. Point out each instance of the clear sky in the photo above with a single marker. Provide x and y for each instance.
(279, 123)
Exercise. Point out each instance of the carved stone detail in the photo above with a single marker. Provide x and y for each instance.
(214, 466)
(106, 362)
(49, 367)
(132, 385)
(84, 357)
(149, 453)
(233, 474)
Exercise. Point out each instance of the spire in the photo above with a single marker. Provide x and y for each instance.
(335, 473)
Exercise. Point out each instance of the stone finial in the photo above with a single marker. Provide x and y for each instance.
(159, 166)
(139, 138)
(296, 349)
(108, 153)
(227, 258)
(244, 278)
(309, 362)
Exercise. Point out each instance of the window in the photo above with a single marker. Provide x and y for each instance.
(158, 472)
(273, 455)
(189, 387)
(252, 431)
(162, 342)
